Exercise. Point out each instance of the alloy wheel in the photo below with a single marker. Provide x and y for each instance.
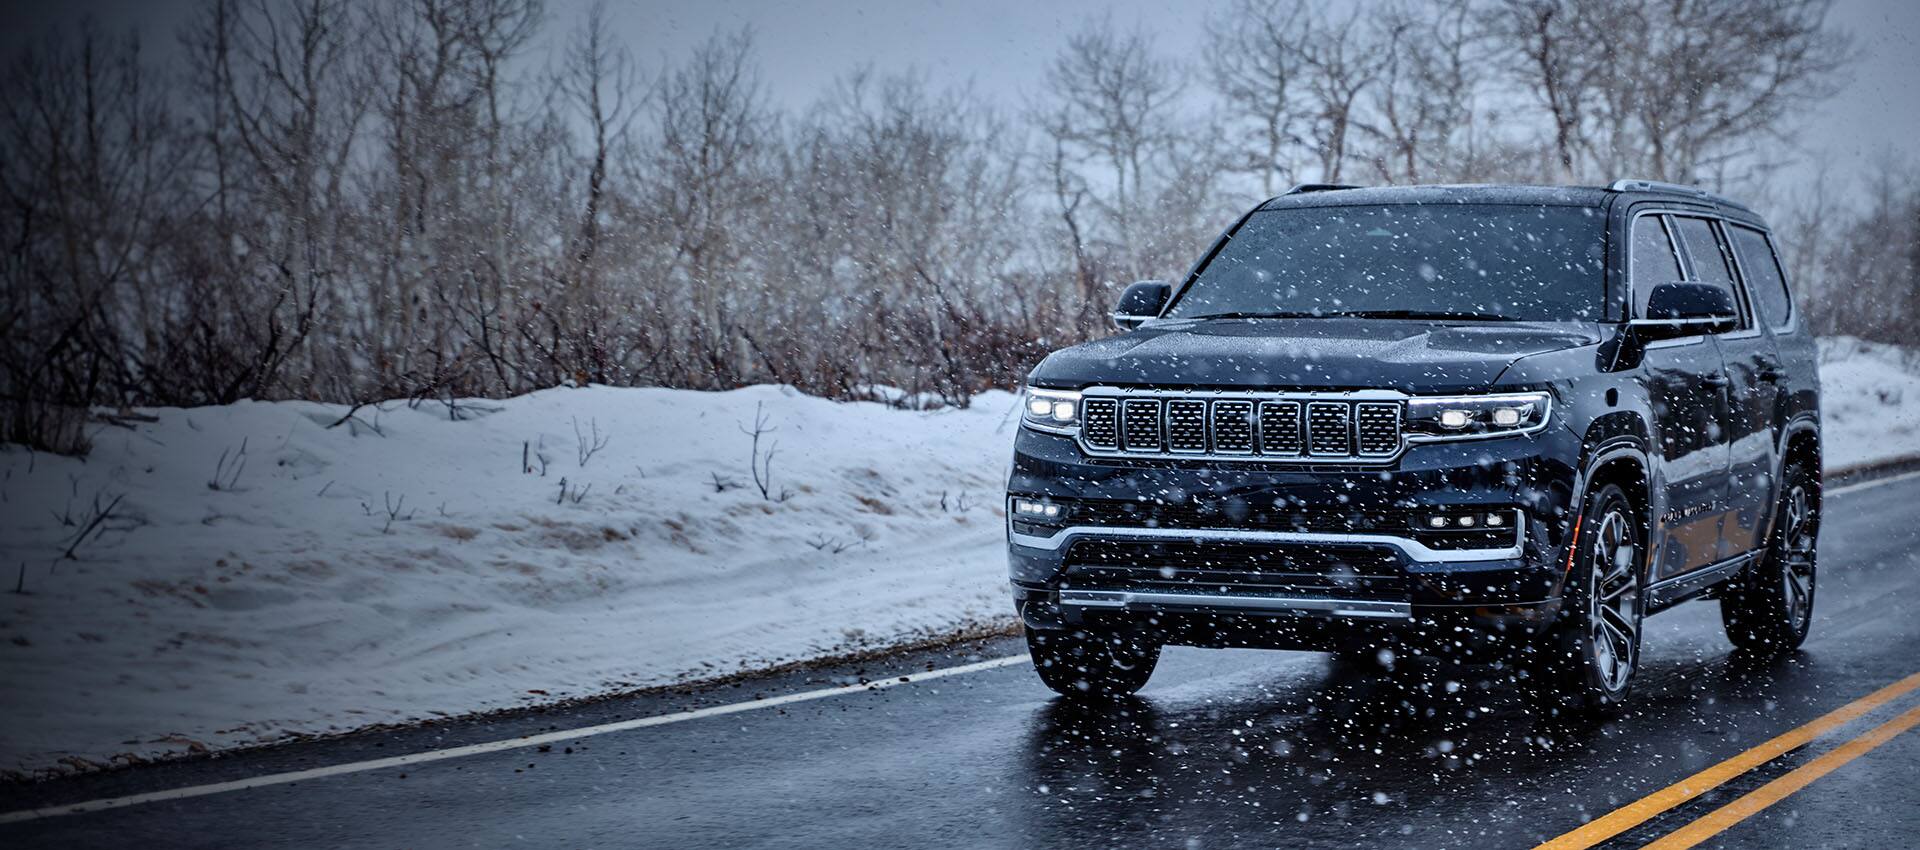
(1797, 536)
(1614, 600)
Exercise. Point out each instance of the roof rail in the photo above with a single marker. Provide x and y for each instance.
(1304, 188)
(1665, 188)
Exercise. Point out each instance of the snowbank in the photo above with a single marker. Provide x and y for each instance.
(330, 578)
(1869, 401)
(261, 574)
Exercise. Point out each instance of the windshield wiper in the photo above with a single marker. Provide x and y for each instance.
(1423, 314)
(1257, 315)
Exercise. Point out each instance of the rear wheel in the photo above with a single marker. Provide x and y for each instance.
(1770, 607)
(1092, 662)
(1589, 663)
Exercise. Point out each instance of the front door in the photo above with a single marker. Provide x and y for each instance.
(1752, 396)
(1687, 384)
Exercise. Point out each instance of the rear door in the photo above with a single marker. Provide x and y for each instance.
(1686, 383)
(1757, 365)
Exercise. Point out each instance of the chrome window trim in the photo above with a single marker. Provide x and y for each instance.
(1413, 549)
(1674, 240)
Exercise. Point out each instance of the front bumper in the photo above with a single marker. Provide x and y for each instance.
(1410, 581)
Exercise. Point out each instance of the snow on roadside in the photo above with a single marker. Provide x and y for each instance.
(236, 598)
(333, 578)
(1869, 401)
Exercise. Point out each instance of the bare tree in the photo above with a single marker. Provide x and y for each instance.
(407, 199)
(1422, 114)
(1254, 63)
(1699, 87)
(1342, 61)
(1112, 109)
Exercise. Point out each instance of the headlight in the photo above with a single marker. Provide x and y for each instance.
(1057, 411)
(1467, 417)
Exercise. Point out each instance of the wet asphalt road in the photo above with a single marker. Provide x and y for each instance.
(1235, 748)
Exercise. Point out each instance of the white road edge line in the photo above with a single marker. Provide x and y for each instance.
(501, 746)
(1874, 482)
(584, 732)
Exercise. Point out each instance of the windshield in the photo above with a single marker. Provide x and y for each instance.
(1483, 261)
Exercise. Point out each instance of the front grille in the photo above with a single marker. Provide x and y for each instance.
(1305, 427)
(1338, 572)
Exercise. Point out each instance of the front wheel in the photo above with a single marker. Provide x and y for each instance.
(1092, 662)
(1770, 608)
(1589, 664)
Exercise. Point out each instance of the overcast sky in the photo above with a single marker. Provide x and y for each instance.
(1001, 48)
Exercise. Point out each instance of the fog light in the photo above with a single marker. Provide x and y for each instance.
(1455, 418)
(1436, 522)
(1466, 521)
(1507, 417)
(1496, 520)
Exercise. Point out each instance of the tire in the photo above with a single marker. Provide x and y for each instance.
(1098, 663)
(1594, 650)
(1769, 608)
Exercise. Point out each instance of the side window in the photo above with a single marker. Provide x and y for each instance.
(1764, 278)
(1710, 261)
(1653, 260)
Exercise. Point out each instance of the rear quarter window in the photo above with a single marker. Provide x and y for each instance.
(1764, 278)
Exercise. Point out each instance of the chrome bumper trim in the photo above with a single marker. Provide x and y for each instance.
(1121, 600)
(1412, 548)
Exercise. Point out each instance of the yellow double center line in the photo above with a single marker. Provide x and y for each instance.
(1646, 808)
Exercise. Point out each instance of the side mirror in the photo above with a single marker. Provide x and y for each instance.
(1139, 302)
(1687, 308)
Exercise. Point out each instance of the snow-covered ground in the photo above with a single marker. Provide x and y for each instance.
(237, 597)
(263, 575)
(1869, 401)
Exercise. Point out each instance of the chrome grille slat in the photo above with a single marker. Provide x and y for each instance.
(1376, 428)
(1297, 427)
(1100, 423)
(1233, 427)
(1187, 426)
(1140, 424)
(1280, 428)
(1329, 428)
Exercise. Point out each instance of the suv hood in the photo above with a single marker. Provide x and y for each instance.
(1332, 353)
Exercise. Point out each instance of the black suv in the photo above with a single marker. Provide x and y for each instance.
(1483, 418)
